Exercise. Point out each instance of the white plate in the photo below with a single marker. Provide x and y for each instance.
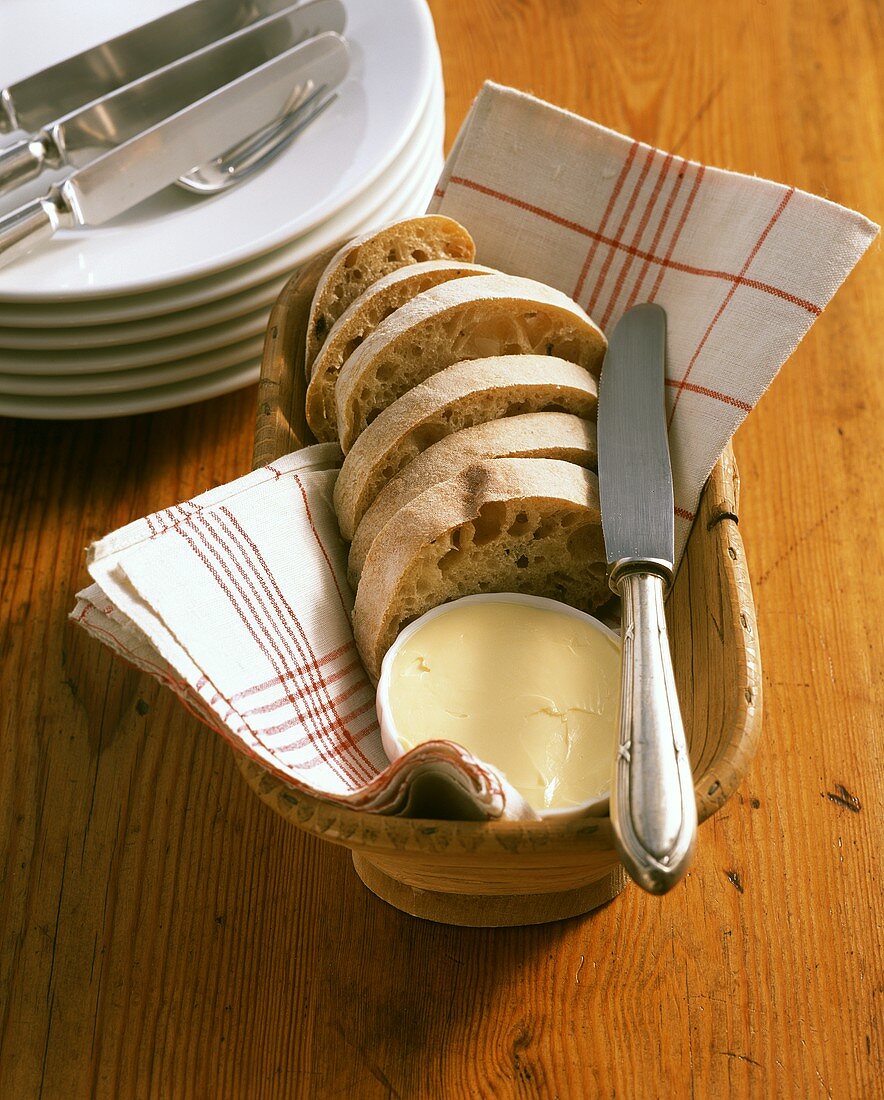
(77, 357)
(150, 328)
(425, 142)
(132, 381)
(42, 405)
(176, 236)
(127, 357)
(128, 404)
(63, 371)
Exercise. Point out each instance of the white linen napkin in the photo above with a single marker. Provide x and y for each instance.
(238, 599)
(742, 266)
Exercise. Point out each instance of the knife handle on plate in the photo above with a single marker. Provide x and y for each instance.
(22, 161)
(32, 223)
(653, 810)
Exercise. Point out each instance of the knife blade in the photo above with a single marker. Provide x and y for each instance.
(653, 808)
(635, 476)
(34, 101)
(129, 173)
(78, 137)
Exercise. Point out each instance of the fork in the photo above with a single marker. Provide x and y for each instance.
(251, 155)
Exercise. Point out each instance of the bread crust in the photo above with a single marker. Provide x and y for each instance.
(458, 397)
(465, 319)
(359, 320)
(362, 261)
(527, 435)
(506, 524)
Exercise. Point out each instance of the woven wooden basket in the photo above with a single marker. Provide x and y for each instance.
(508, 873)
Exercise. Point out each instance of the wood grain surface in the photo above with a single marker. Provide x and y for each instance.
(163, 933)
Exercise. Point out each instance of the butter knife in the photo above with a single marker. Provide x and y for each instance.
(124, 176)
(33, 102)
(80, 136)
(653, 809)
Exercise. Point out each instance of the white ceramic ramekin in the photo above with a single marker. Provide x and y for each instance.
(389, 735)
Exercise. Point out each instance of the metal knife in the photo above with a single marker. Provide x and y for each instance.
(129, 173)
(653, 810)
(35, 101)
(83, 134)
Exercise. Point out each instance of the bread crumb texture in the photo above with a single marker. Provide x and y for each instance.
(410, 349)
(502, 525)
(362, 262)
(463, 320)
(529, 435)
(458, 397)
(359, 320)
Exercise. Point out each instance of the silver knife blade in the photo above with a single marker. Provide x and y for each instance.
(126, 175)
(115, 118)
(35, 101)
(635, 475)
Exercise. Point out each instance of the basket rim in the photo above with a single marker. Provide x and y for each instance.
(281, 428)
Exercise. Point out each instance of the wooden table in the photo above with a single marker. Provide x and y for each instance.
(163, 933)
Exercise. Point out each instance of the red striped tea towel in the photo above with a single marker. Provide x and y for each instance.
(742, 266)
(238, 601)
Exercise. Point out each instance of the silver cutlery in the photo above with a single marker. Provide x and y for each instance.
(125, 175)
(251, 155)
(32, 103)
(80, 136)
(653, 809)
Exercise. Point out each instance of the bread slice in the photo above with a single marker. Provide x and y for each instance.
(462, 395)
(464, 319)
(359, 320)
(361, 262)
(502, 525)
(528, 435)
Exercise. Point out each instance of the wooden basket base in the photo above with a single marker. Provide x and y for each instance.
(489, 910)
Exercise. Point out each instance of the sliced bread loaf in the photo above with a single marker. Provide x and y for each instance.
(502, 525)
(359, 263)
(464, 319)
(529, 435)
(359, 320)
(467, 393)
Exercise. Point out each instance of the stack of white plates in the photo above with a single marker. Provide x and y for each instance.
(168, 304)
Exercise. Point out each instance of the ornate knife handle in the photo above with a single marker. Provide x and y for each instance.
(653, 810)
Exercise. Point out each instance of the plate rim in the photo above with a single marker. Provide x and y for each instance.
(425, 37)
(32, 408)
(277, 260)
